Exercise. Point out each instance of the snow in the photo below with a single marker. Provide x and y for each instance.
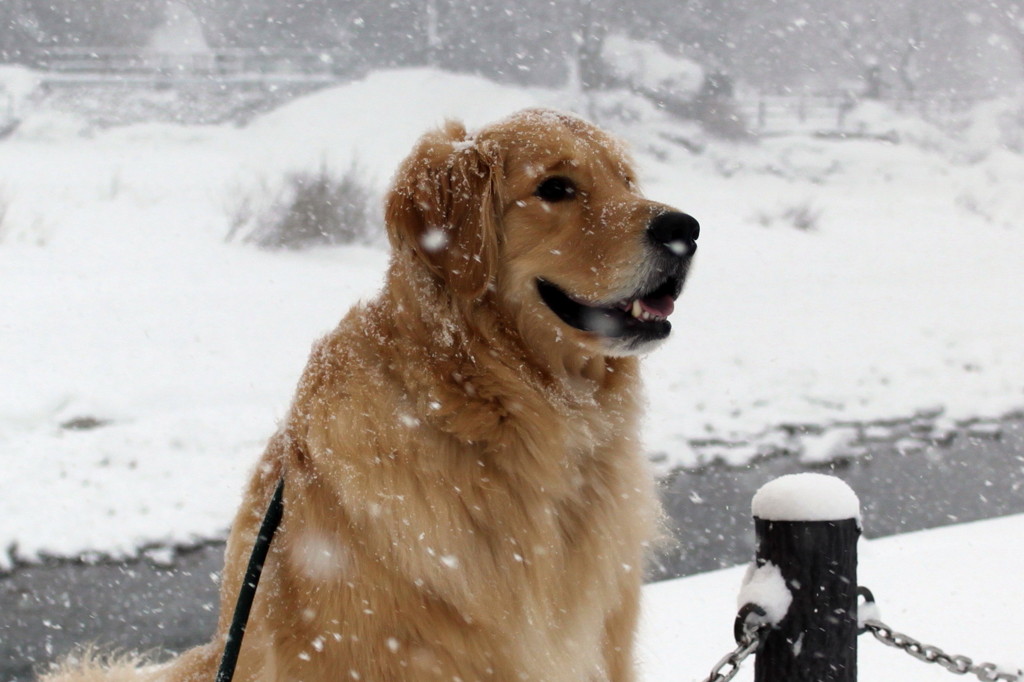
(433, 240)
(805, 497)
(764, 586)
(868, 611)
(957, 588)
(124, 304)
(833, 444)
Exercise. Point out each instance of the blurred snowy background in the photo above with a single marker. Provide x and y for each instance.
(190, 193)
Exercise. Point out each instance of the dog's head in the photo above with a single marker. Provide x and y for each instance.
(540, 214)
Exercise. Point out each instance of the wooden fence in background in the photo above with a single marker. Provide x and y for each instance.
(771, 113)
(101, 66)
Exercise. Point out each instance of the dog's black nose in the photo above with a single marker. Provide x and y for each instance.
(677, 232)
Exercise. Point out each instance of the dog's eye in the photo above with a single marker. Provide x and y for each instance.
(556, 189)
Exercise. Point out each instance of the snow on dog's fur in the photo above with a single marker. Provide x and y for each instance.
(465, 496)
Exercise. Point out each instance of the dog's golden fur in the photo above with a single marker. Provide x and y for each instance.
(465, 496)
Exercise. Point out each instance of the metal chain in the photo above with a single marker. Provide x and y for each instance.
(751, 630)
(735, 658)
(750, 633)
(959, 665)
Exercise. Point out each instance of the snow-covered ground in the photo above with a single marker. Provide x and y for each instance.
(837, 282)
(957, 588)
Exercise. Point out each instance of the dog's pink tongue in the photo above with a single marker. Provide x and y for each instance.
(661, 307)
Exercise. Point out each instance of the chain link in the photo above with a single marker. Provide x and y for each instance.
(959, 665)
(748, 643)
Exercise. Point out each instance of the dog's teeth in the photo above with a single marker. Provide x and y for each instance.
(638, 309)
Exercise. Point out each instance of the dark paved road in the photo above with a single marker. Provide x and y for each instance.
(906, 481)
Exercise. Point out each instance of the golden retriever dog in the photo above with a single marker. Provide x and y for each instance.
(466, 498)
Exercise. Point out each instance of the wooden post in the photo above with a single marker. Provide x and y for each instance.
(807, 526)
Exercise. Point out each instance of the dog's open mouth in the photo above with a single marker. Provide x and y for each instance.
(643, 316)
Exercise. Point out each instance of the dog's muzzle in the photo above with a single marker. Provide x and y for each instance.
(641, 317)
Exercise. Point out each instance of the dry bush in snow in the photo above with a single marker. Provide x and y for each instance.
(310, 208)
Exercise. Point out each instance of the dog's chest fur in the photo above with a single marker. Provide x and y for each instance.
(508, 509)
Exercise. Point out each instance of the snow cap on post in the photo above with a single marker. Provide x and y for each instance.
(806, 497)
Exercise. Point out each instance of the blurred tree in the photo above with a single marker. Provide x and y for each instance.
(899, 47)
(19, 31)
(1009, 23)
(530, 42)
(386, 33)
(704, 29)
(591, 19)
(462, 35)
(269, 23)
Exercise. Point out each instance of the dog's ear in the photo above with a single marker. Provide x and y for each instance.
(443, 206)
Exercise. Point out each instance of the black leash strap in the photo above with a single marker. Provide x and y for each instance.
(252, 579)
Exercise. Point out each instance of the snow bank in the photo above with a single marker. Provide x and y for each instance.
(882, 120)
(997, 124)
(51, 127)
(990, 189)
(900, 298)
(376, 120)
